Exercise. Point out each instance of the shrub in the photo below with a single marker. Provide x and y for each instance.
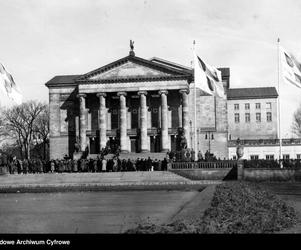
(236, 207)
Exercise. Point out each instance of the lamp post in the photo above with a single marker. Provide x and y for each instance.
(198, 134)
(209, 136)
(190, 122)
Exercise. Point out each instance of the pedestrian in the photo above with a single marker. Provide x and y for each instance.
(52, 166)
(104, 165)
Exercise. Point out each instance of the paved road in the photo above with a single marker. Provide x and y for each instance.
(87, 212)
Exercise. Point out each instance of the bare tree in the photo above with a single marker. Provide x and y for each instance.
(20, 121)
(41, 128)
(296, 126)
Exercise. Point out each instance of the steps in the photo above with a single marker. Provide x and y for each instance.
(108, 178)
(134, 156)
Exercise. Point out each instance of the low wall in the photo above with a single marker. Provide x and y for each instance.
(255, 174)
(203, 174)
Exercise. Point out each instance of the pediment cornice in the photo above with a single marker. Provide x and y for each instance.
(156, 71)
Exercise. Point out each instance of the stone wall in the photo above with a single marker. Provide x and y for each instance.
(212, 117)
(203, 174)
(250, 174)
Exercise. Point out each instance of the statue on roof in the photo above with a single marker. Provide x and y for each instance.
(132, 44)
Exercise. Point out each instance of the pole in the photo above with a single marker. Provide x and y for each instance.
(195, 143)
(279, 103)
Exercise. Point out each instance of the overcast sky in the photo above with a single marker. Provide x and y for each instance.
(41, 39)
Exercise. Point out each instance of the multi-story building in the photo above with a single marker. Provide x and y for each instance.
(252, 113)
(139, 104)
(135, 103)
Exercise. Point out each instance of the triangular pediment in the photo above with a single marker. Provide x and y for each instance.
(129, 70)
(132, 67)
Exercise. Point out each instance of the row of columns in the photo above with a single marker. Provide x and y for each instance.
(143, 120)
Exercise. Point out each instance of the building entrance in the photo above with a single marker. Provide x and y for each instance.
(94, 145)
(155, 144)
(134, 144)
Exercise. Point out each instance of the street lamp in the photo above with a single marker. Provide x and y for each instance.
(198, 134)
(209, 136)
(190, 133)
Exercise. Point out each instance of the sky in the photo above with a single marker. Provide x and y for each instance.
(44, 38)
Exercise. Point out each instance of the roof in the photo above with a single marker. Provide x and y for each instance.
(177, 71)
(252, 93)
(62, 79)
(138, 60)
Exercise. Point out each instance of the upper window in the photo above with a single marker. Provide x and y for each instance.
(286, 157)
(268, 105)
(258, 117)
(269, 116)
(247, 117)
(247, 106)
(257, 105)
(236, 118)
(236, 106)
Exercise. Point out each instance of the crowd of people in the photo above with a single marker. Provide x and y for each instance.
(68, 165)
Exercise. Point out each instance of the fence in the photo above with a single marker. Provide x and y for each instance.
(203, 165)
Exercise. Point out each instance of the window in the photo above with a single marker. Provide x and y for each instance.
(234, 157)
(254, 157)
(257, 105)
(247, 117)
(269, 157)
(269, 116)
(236, 118)
(258, 117)
(155, 117)
(299, 156)
(286, 157)
(268, 105)
(236, 106)
(247, 106)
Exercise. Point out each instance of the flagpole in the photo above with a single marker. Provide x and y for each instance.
(195, 135)
(279, 103)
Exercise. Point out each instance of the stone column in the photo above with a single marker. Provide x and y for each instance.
(164, 121)
(143, 121)
(102, 120)
(185, 114)
(82, 122)
(123, 123)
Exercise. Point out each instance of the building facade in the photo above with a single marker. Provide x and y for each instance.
(252, 113)
(139, 105)
(135, 104)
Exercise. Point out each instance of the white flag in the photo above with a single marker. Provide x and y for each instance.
(291, 68)
(9, 86)
(208, 78)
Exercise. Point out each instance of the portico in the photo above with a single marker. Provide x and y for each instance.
(141, 116)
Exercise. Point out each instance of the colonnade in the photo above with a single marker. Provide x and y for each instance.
(123, 119)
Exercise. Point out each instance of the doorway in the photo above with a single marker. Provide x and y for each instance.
(155, 144)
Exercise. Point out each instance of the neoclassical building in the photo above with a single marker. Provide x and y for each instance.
(137, 104)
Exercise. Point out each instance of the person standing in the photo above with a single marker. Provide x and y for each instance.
(104, 165)
(52, 166)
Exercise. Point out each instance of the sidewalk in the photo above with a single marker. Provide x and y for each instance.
(196, 207)
(98, 182)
